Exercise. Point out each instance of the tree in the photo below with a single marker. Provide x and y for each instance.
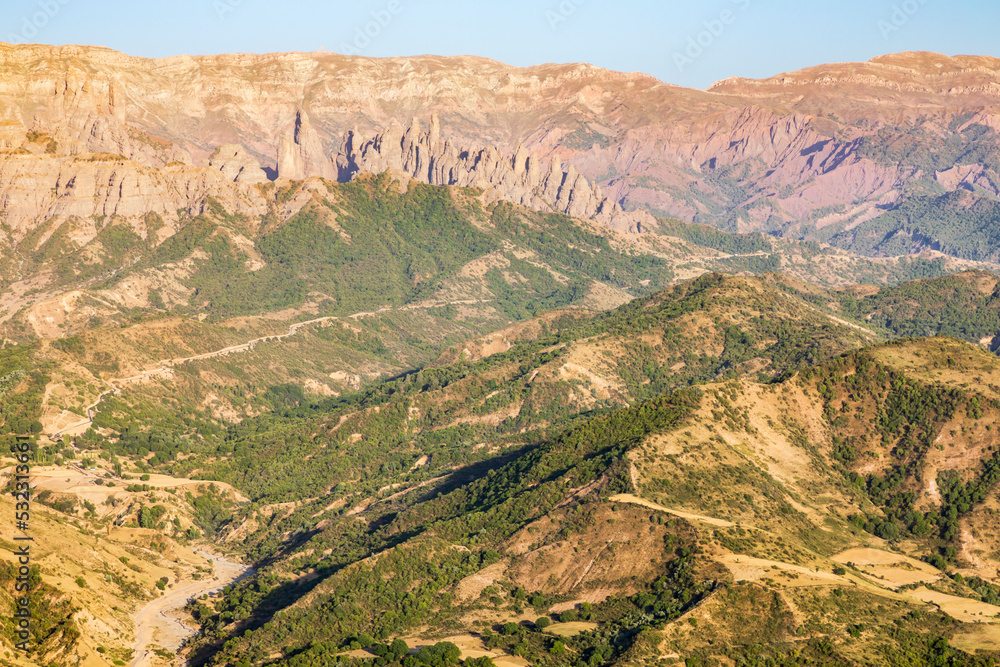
(399, 648)
(484, 661)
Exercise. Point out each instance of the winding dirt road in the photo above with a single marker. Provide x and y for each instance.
(158, 624)
(165, 366)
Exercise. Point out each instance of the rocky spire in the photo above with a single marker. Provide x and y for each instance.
(519, 178)
(301, 153)
(435, 133)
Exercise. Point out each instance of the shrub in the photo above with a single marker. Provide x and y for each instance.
(510, 628)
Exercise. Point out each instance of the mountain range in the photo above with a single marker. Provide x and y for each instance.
(421, 362)
(885, 157)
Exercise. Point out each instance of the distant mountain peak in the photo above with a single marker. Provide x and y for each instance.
(820, 153)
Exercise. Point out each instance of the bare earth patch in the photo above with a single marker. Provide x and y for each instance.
(961, 609)
(471, 646)
(159, 623)
(746, 568)
(977, 637)
(571, 629)
(636, 500)
(472, 586)
(893, 570)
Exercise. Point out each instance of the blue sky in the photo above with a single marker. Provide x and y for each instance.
(682, 42)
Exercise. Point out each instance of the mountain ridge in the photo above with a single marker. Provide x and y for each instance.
(520, 178)
(813, 168)
(913, 67)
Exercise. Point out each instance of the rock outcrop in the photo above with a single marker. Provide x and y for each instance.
(237, 165)
(35, 189)
(520, 178)
(789, 155)
(301, 153)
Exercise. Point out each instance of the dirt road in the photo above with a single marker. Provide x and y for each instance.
(165, 366)
(158, 623)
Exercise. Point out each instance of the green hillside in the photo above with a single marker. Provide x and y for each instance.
(693, 480)
(965, 306)
(478, 431)
(375, 516)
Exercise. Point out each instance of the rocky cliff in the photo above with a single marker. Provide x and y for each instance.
(35, 189)
(810, 154)
(237, 165)
(521, 178)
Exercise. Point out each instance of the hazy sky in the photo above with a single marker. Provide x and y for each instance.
(683, 42)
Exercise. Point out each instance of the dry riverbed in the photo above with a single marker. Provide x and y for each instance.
(159, 624)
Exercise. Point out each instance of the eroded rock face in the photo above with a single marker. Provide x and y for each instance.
(237, 165)
(520, 178)
(301, 153)
(779, 155)
(36, 188)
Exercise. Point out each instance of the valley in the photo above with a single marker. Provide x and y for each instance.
(787, 537)
(332, 361)
(102, 589)
(690, 415)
